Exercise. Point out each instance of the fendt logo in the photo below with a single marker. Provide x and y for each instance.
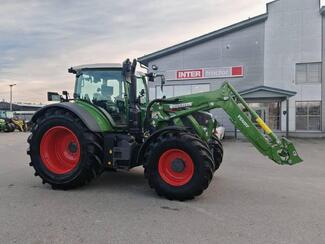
(190, 74)
(243, 121)
(181, 105)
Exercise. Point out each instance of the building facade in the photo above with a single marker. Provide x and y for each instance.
(22, 111)
(275, 60)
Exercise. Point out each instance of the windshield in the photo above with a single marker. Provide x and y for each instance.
(100, 85)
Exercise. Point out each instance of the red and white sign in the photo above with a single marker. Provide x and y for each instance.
(189, 74)
(237, 71)
(206, 73)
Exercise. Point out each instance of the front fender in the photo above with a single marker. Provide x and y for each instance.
(93, 119)
(154, 136)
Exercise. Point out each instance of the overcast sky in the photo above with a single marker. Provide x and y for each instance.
(41, 39)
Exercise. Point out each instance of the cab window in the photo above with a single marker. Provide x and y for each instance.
(103, 88)
(141, 90)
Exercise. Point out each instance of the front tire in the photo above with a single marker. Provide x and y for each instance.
(178, 166)
(64, 153)
(217, 151)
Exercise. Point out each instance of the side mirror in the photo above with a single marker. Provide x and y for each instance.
(53, 97)
(66, 94)
(151, 77)
(126, 71)
(163, 81)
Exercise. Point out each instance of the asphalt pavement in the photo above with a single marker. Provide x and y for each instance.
(250, 200)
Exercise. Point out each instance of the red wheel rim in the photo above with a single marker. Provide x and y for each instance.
(60, 150)
(176, 167)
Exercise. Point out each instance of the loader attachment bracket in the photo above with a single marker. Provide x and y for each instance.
(285, 153)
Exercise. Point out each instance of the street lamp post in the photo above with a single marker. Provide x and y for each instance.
(11, 86)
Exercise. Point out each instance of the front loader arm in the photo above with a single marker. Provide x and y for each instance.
(280, 151)
(242, 116)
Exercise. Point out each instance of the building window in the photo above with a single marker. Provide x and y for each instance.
(308, 116)
(180, 90)
(308, 73)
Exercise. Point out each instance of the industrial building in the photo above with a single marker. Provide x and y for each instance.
(275, 60)
(21, 111)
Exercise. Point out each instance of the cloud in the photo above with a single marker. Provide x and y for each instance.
(40, 39)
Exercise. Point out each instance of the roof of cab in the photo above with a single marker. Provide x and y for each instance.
(94, 66)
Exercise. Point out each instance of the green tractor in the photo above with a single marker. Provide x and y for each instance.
(2, 125)
(109, 124)
(6, 123)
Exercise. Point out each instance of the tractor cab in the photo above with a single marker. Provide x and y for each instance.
(6, 115)
(104, 86)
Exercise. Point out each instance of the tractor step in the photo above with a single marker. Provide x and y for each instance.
(120, 151)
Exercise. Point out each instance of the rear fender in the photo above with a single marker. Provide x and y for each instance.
(95, 120)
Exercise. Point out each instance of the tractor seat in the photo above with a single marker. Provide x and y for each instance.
(107, 91)
(103, 99)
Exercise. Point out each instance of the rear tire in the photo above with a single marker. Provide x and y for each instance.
(178, 166)
(217, 151)
(63, 152)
